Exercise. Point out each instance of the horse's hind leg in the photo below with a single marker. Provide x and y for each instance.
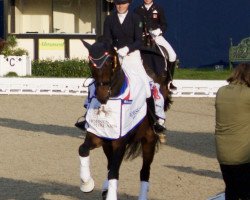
(91, 142)
(148, 151)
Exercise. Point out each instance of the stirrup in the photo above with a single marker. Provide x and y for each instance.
(81, 124)
(159, 128)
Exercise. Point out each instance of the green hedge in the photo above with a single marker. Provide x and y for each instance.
(60, 68)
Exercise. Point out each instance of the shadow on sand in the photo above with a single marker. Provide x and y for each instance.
(47, 128)
(24, 190)
(198, 143)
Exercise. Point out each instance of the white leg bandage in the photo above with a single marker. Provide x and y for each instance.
(144, 190)
(84, 169)
(105, 185)
(112, 189)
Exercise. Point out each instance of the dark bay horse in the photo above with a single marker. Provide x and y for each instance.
(109, 80)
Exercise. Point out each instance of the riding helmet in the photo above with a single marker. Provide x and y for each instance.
(122, 1)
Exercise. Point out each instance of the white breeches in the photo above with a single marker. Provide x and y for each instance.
(160, 40)
(132, 63)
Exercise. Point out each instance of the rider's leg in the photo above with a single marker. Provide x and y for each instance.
(171, 70)
(160, 40)
(134, 59)
(159, 108)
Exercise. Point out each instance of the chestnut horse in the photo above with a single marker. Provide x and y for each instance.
(109, 79)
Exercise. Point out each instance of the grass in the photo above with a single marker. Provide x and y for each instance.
(202, 74)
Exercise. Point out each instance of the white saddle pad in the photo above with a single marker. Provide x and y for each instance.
(121, 114)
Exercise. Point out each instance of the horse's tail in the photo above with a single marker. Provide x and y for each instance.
(168, 101)
(134, 147)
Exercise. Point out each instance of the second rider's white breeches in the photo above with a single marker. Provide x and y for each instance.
(160, 40)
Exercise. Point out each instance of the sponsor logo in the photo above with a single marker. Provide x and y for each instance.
(134, 113)
(102, 123)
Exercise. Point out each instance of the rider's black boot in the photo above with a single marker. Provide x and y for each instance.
(172, 69)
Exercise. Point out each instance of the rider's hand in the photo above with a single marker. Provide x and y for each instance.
(123, 51)
(156, 32)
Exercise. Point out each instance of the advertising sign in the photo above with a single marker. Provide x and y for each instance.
(51, 44)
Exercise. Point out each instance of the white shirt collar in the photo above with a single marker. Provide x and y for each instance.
(147, 6)
(122, 16)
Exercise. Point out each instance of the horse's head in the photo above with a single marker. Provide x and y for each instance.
(103, 63)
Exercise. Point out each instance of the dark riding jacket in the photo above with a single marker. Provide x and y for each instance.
(153, 18)
(129, 33)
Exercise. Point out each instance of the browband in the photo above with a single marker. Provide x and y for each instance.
(105, 56)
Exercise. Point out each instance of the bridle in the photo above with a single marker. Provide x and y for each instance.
(101, 61)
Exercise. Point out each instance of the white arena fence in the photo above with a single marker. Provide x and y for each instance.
(77, 86)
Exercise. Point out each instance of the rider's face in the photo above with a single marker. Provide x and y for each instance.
(122, 8)
(148, 1)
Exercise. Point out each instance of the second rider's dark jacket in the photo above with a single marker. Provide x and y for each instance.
(129, 33)
(153, 18)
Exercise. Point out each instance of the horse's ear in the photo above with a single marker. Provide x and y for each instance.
(87, 45)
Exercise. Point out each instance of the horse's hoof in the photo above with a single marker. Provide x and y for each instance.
(87, 186)
(163, 138)
(104, 194)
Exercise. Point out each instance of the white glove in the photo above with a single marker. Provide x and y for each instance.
(156, 32)
(123, 51)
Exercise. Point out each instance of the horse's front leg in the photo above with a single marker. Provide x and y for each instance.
(148, 151)
(108, 151)
(118, 147)
(91, 142)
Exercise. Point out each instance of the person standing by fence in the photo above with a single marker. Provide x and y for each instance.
(232, 133)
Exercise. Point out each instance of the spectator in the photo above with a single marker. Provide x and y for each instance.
(232, 133)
